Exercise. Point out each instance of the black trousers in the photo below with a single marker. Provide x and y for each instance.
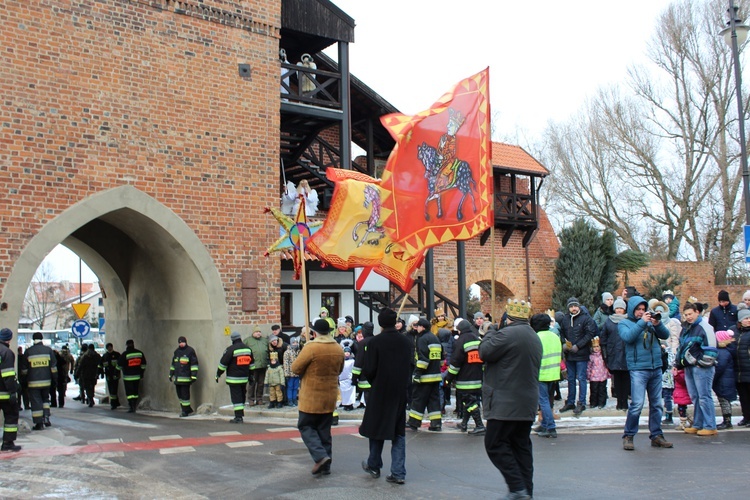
(113, 385)
(597, 393)
(39, 397)
(183, 395)
(315, 430)
(10, 415)
(89, 384)
(131, 391)
(237, 394)
(621, 384)
(425, 396)
(60, 390)
(743, 390)
(508, 446)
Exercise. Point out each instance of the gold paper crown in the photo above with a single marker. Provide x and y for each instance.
(550, 313)
(518, 310)
(667, 292)
(595, 342)
(692, 300)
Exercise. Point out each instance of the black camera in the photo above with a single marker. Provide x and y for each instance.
(655, 315)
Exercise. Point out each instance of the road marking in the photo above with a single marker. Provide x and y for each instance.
(165, 438)
(358, 435)
(178, 449)
(297, 440)
(162, 444)
(225, 433)
(281, 429)
(105, 441)
(241, 444)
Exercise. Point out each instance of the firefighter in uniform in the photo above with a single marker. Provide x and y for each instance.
(132, 364)
(236, 362)
(466, 368)
(111, 374)
(41, 367)
(184, 371)
(358, 380)
(8, 392)
(427, 379)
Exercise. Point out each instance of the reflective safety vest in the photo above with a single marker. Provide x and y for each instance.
(429, 358)
(236, 361)
(549, 371)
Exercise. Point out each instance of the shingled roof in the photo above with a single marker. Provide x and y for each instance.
(516, 159)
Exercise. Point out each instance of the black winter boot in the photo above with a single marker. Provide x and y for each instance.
(463, 424)
(479, 428)
(668, 418)
(726, 424)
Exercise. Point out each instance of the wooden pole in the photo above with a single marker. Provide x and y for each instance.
(403, 303)
(303, 272)
(492, 274)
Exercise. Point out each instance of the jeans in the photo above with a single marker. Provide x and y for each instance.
(292, 388)
(577, 372)
(644, 382)
(398, 456)
(548, 420)
(668, 397)
(699, 381)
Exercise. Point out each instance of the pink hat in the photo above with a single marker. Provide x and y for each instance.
(723, 335)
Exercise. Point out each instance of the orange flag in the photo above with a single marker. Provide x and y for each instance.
(353, 236)
(439, 174)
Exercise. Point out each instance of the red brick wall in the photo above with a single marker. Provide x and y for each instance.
(699, 281)
(97, 94)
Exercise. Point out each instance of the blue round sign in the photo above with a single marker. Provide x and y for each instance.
(80, 328)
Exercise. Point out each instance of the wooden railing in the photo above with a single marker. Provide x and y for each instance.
(322, 88)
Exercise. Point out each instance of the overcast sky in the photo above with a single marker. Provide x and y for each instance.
(545, 57)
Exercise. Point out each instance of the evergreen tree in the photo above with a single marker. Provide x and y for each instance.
(655, 284)
(585, 265)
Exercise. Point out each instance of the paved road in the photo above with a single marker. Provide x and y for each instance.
(103, 454)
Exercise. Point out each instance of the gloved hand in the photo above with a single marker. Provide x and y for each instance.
(574, 349)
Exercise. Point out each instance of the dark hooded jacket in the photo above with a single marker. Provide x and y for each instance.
(613, 347)
(578, 330)
(723, 318)
(465, 363)
(642, 346)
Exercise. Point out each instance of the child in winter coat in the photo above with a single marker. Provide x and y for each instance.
(348, 392)
(670, 348)
(275, 380)
(292, 379)
(597, 374)
(725, 381)
(681, 398)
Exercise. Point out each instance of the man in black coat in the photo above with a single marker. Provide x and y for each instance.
(387, 366)
(576, 333)
(91, 369)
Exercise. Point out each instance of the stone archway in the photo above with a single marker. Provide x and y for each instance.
(502, 294)
(157, 276)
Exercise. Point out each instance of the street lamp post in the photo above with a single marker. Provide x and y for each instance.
(735, 35)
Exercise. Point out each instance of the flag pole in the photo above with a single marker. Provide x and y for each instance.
(303, 272)
(492, 274)
(403, 303)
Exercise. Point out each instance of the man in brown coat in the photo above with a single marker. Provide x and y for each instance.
(319, 364)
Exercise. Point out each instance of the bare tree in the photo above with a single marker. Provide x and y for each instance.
(656, 157)
(43, 296)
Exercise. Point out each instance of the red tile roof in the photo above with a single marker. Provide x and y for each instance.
(510, 157)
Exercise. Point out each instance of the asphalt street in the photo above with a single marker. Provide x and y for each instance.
(101, 453)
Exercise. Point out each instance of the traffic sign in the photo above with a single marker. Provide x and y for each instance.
(747, 243)
(81, 309)
(80, 328)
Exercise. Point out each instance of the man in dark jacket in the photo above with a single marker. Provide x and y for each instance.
(111, 374)
(90, 371)
(358, 380)
(641, 334)
(576, 333)
(387, 365)
(41, 367)
(613, 352)
(426, 379)
(183, 372)
(132, 364)
(510, 393)
(723, 316)
(8, 392)
(236, 361)
(466, 368)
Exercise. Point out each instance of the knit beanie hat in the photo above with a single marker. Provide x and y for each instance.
(424, 323)
(745, 313)
(573, 301)
(235, 336)
(606, 296)
(6, 334)
(746, 295)
(723, 295)
(724, 335)
(387, 318)
(540, 322)
(478, 315)
(456, 322)
(620, 304)
(413, 318)
(181, 339)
